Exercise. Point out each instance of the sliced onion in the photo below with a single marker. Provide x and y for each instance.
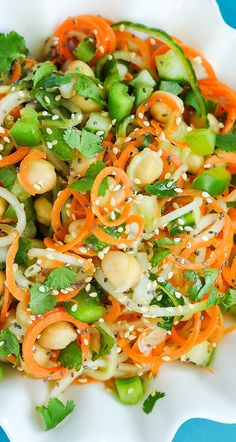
(149, 311)
(20, 213)
(12, 100)
(197, 202)
(51, 254)
(3, 254)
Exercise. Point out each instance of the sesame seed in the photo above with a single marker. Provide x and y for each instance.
(160, 279)
(185, 177)
(113, 201)
(6, 139)
(170, 184)
(188, 228)
(86, 342)
(0, 157)
(97, 202)
(37, 186)
(205, 238)
(189, 129)
(74, 307)
(180, 221)
(122, 27)
(58, 97)
(115, 150)
(113, 216)
(207, 166)
(152, 41)
(93, 294)
(49, 145)
(54, 142)
(167, 175)
(140, 115)
(146, 123)
(178, 121)
(88, 287)
(118, 350)
(177, 239)
(198, 59)
(89, 279)
(137, 181)
(21, 94)
(49, 130)
(100, 255)
(175, 205)
(170, 274)
(188, 245)
(83, 250)
(1, 147)
(120, 229)
(178, 190)
(47, 99)
(42, 289)
(113, 122)
(2, 130)
(55, 117)
(177, 294)
(100, 133)
(205, 194)
(162, 136)
(166, 358)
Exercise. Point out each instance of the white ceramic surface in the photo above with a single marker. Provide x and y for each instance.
(189, 392)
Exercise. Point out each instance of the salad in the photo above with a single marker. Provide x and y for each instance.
(117, 209)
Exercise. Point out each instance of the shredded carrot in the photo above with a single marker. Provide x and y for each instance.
(14, 157)
(5, 305)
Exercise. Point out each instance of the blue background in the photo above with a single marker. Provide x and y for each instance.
(200, 430)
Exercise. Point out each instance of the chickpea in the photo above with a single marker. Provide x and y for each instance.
(2, 282)
(161, 111)
(80, 164)
(194, 162)
(74, 229)
(145, 167)
(41, 175)
(123, 271)
(41, 355)
(57, 336)
(21, 315)
(80, 67)
(3, 207)
(43, 209)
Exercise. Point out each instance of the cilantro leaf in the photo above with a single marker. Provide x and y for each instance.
(44, 70)
(41, 301)
(56, 80)
(191, 100)
(60, 278)
(22, 258)
(87, 88)
(151, 400)
(8, 176)
(95, 244)
(55, 412)
(226, 142)
(71, 356)
(86, 183)
(166, 323)
(61, 148)
(8, 344)
(228, 301)
(87, 143)
(106, 344)
(213, 298)
(163, 189)
(203, 283)
(12, 46)
(159, 255)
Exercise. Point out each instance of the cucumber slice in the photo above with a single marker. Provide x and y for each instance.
(170, 67)
(142, 79)
(130, 390)
(200, 355)
(97, 122)
(187, 72)
(88, 309)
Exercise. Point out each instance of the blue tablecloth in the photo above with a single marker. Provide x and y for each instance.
(200, 430)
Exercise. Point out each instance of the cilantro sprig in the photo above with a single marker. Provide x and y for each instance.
(12, 46)
(203, 283)
(71, 356)
(87, 143)
(86, 183)
(151, 400)
(8, 344)
(55, 412)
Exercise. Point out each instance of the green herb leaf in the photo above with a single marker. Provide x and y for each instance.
(86, 183)
(95, 244)
(61, 148)
(87, 88)
(8, 344)
(55, 412)
(41, 301)
(22, 258)
(44, 70)
(170, 86)
(60, 278)
(228, 300)
(106, 344)
(56, 80)
(87, 143)
(226, 142)
(203, 283)
(46, 99)
(191, 100)
(151, 400)
(163, 189)
(165, 242)
(71, 356)
(159, 255)
(166, 323)
(12, 46)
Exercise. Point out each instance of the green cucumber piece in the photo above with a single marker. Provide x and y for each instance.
(130, 390)
(201, 141)
(177, 225)
(200, 355)
(88, 309)
(98, 122)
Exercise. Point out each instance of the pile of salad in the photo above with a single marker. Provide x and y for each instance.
(117, 208)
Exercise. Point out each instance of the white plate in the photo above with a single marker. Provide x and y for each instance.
(189, 392)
